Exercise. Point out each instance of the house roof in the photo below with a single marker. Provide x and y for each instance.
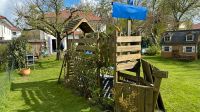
(66, 13)
(81, 23)
(9, 24)
(14, 28)
(179, 37)
(196, 26)
(2, 17)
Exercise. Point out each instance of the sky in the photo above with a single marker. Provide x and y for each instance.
(7, 7)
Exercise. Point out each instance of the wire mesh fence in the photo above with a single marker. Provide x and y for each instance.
(5, 83)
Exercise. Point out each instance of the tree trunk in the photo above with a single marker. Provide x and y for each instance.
(58, 55)
(176, 25)
(154, 35)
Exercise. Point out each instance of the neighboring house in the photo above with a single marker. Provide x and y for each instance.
(8, 30)
(196, 26)
(5, 28)
(182, 44)
(16, 32)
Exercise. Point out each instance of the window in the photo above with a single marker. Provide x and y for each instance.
(189, 37)
(167, 48)
(14, 33)
(189, 49)
(1, 38)
(167, 38)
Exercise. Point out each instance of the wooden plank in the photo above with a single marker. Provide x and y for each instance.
(124, 66)
(85, 40)
(128, 57)
(141, 94)
(147, 71)
(128, 48)
(82, 47)
(160, 74)
(129, 39)
(134, 78)
(148, 100)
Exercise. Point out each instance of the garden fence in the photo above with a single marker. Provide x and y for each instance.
(5, 84)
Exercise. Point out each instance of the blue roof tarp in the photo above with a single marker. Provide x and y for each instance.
(129, 11)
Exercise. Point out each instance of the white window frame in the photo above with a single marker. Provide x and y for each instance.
(192, 47)
(189, 35)
(167, 36)
(170, 48)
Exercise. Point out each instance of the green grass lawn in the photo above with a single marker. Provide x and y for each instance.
(40, 92)
(181, 91)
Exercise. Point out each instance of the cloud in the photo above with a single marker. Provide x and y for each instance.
(7, 8)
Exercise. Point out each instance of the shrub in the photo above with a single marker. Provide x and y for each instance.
(3, 57)
(153, 50)
(17, 52)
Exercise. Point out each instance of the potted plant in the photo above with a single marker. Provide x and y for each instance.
(25, 71)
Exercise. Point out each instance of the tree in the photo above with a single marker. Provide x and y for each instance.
(45, 15)
(181, 9)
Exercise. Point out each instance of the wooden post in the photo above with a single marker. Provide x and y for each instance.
(129, 27)
(115, 49)
(129, 24)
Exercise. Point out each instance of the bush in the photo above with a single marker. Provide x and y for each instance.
(153, 50)
(3, 57)
(17, 52)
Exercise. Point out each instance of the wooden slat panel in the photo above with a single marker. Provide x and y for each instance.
(82, 47)
(149, 100)
(128, 48)
(129, 39)
(85, 40)
(124, 66)
(141, 95)
(128, 57)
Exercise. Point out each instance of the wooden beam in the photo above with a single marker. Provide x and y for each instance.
(128, 48)
(129, 39)
(128, 57)
(124, 66)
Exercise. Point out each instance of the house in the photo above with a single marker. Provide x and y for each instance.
(182, 44)
(16, 32)
(8, 30)
(5, 28)
(196, 26)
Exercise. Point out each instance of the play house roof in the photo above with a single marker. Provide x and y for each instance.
(81, 23)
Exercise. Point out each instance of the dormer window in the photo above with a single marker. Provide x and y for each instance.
(189, 37)
(167, 37)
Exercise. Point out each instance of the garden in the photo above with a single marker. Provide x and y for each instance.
(98, 72)
(40, 91)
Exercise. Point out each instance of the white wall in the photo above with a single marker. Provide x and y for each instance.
(18, 34)
(5, 32)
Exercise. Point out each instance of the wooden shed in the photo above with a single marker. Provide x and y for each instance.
(37, 46)
(182, 44)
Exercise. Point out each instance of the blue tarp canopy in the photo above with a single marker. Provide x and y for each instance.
(129, 11)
